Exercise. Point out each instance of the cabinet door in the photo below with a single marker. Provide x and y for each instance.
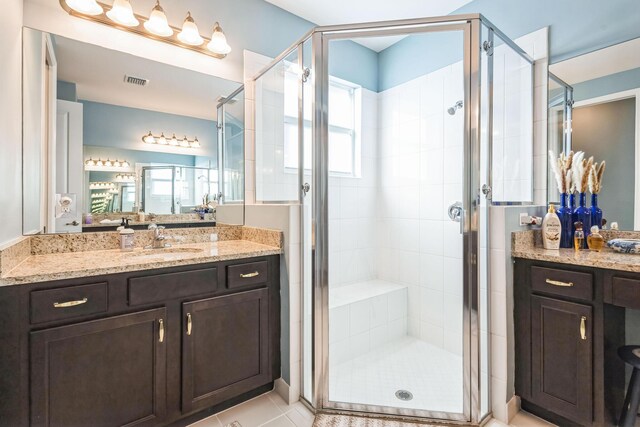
(225, 348)
(561, 371)
(108, 372)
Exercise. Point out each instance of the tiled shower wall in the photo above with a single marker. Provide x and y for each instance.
(421, 162)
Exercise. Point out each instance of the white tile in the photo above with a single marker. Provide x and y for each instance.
(432, 271)
(211, 421)
(499, 399)
(252, 413)
(379, 311)
(453, 275)
(498, 270)
(431, 237)
(499, 314)
(499, 357)
(359, 344)
(397, 304)
(338, 323)
(432, 334)
(300, 419)
(432, 307)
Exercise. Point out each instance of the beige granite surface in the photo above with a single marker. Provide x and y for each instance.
(14, 253)
(66, 265)
(528, 245)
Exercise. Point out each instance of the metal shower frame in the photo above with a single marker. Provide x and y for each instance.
(471, 25)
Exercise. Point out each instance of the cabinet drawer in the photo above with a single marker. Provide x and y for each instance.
(625, 292)
(251, 273)
(168, 286)
(66, 303)
(566, 283)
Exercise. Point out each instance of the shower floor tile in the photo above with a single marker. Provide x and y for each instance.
(431, 374)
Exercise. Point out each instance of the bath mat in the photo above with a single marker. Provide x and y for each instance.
(326, 420)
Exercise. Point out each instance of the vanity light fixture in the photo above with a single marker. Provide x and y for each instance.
(106, 163)
(218, 43)
(101, 185)
(190, 34)
(157, 23)
(125, 177)
(185, 142)
(120, 15)
(88, 7)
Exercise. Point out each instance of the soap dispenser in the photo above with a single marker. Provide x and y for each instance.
(126, 238)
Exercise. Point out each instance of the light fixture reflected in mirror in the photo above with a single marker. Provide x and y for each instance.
(218, 43)
(122, 13)
(89, 7)
(97, 164)
(190, 34)
(157, 23)
(185, 142)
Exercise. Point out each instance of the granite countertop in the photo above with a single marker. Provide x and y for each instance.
(607, 259)
(57, 266)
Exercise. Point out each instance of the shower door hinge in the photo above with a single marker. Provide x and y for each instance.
(487, 46)
(486, 190)
(306, 72)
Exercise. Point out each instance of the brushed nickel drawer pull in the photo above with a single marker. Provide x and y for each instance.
(70, 303)
(189, 324)
(161, 330)
(559, 283)
(254, 274)
(583, 327)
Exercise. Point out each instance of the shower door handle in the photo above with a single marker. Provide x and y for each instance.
(456, 213)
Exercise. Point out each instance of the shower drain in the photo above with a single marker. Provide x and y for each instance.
(404, 395)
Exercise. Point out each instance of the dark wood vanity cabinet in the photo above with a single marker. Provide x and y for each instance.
(100, 373)
(148, 348)
(566, 338)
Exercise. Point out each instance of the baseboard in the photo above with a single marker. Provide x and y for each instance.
(284, 390)
(513, 407)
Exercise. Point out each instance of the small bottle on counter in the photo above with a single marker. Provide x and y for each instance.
(595, 241)
(578, 236)
(141, 216)
(551, 229)
(126, 239)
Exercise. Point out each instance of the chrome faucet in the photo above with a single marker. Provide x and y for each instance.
(158, 237)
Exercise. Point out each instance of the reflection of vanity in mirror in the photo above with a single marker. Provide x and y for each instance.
(594, 106)
(109, 135)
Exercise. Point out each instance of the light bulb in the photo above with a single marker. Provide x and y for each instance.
(125, 164)
(107, 163)
(162, 140)
(88, 7)
(174, 140)
(116, 164)
(157, 23)
(218, 43)
(195, 143)
(184, 142)
(122, 13)
(149, 139)
(190, 34)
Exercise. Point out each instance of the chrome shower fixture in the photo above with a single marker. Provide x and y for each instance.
(452, 110)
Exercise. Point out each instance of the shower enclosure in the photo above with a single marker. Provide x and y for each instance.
(395, 138)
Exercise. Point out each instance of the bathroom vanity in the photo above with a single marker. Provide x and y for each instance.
(149, 347)
(569, 323)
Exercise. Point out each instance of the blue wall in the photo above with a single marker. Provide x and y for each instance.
(66, 91)
(108, 125)
(355, 63)
(576, 27)
(417, 55)
(612, 83)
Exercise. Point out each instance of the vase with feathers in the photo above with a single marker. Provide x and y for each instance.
(595, 185)
(580, 172)
(561, 167)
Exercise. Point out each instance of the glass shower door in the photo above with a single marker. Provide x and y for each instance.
(392, 213)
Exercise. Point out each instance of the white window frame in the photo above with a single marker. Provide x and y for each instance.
(354, 133)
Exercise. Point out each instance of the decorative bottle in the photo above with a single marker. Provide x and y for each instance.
(566, 222)
(596, 212)
(583, 215)
(572, 212)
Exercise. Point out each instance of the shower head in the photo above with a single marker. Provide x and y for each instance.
(452, 110)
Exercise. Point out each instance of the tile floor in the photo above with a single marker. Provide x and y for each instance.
(268, 410)
(431, 374)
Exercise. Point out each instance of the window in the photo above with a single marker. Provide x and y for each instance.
(344, 135)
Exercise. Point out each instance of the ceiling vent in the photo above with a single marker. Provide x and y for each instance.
(138, 81)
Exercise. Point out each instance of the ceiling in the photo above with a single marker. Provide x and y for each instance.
(614, 59)
(99, 76)
(330, 12)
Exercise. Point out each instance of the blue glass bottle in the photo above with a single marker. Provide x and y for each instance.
(596, 212)
(572, 210)
(583, 214)
(566, 221)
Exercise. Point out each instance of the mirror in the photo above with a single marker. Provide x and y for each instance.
(594, 106)
(108, 135)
